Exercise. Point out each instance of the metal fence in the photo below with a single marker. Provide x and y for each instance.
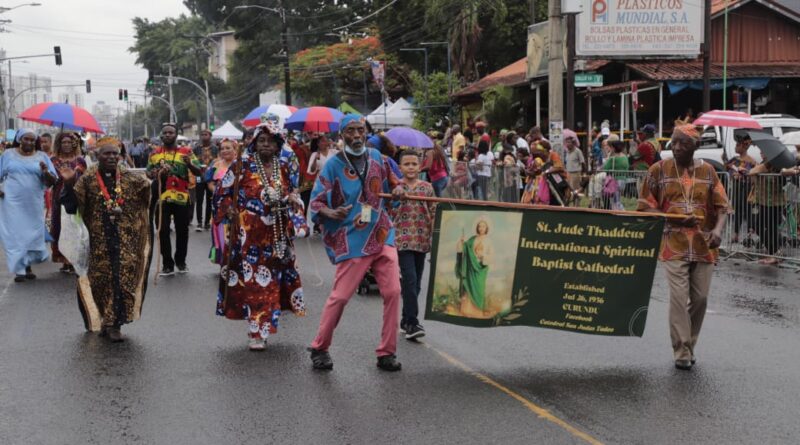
(763, 222)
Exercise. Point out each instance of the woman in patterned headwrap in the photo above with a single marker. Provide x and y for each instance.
(258, 200)
(66, 153)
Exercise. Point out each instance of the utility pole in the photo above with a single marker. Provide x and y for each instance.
(208, 107)
(287, 81)
(10, 111)
(145, 111)
(532, 4)
(707, 55)
(130, 122)
(570, 114)
(555, 79)
(173, 117)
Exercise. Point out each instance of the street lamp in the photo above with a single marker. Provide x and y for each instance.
(287, 83)
(4, 9)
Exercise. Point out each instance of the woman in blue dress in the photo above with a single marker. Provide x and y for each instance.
(25, 173)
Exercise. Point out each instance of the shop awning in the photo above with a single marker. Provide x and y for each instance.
(693, 70)
(754, 83)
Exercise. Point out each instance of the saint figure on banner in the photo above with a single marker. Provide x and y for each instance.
(473, 261)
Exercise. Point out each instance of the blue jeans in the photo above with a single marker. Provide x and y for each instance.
(412, 265)
(439, 185)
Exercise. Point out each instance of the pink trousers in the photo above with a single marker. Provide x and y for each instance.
(349, 274)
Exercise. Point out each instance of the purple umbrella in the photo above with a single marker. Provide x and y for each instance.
(409, 137)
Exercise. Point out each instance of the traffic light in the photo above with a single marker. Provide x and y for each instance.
(57, 51)
(211, 126)
(120, 94)
(88, 86)
(126, 95)
(150, 78)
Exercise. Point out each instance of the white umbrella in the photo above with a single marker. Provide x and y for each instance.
(792, 138)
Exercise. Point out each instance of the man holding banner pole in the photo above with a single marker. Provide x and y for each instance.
(359, 236)
(689, 247)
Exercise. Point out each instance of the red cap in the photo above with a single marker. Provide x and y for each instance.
(485, 137)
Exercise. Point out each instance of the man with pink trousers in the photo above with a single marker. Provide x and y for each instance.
(358, 236)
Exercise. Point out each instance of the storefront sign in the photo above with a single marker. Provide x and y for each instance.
(588, 80)
(575, 271)
(640, 28)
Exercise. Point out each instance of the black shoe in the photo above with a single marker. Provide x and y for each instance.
(29, 275)
(182, 268)
(694, 359)
(389, 363)
(19, 279)
(321, 359)
(167, 272)
(414, 331)
(403, 328)
(684, 365)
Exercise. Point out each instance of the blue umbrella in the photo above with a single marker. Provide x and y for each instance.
(315, 119)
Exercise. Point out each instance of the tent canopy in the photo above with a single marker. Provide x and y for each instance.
(399, 114)
(227, 131)
(345, 108)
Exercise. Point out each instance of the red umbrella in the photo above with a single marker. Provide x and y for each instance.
(62, 115)
(725, 118)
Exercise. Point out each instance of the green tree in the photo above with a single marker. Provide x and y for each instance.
(499, 107)
(431, 100)
(175, 41)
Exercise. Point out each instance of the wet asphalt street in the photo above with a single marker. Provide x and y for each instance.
(184, 375)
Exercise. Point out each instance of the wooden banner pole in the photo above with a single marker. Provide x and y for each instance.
(520, 206)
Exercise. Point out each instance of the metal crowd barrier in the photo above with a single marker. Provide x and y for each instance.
(763, 222)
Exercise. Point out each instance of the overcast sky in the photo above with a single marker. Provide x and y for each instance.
(94, 36)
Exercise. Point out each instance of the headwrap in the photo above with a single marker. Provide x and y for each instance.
(22, 132)
(347, 119)
(649, 129)
(108, 140)
(567, 133)
(686, 131)
(270, 128)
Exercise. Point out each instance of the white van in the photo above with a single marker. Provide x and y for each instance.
(711, 143)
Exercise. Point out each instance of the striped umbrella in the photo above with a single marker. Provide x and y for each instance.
(315, 119)
(62, 115)
(253, 118)
(725, 118)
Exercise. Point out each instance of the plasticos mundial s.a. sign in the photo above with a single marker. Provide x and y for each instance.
(640, 28)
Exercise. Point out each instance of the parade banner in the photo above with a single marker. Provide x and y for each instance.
(570, 270)
(639, 28)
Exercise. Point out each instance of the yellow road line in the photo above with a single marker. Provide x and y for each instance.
(536, 409)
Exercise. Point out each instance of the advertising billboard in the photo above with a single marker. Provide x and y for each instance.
(640, 28)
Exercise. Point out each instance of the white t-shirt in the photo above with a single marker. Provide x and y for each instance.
(321, 159)
(522, 143)
(484, 164)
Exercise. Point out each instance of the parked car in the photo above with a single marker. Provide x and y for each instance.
(714, 138)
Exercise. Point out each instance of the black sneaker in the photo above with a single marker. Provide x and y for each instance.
(414, 331)
(182, 268)
(321, 359)
(167, 272)
(389, 363)
(403, 328)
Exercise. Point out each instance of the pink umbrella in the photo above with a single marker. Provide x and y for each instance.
(725, 118)
(62, 115)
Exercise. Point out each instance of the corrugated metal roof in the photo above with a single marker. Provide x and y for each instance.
(513, 75)
(619, 87)
(789, 8)
(692, 70)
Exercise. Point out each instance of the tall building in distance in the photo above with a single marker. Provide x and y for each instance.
(26, 91)
(72, 96)
(221, 52)
(106, 116)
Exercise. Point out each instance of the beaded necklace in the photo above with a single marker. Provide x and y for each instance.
(270, 196)
(113, 205)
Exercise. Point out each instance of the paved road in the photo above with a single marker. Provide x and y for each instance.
(185, 377)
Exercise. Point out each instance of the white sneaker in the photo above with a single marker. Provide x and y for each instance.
(257, 344)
